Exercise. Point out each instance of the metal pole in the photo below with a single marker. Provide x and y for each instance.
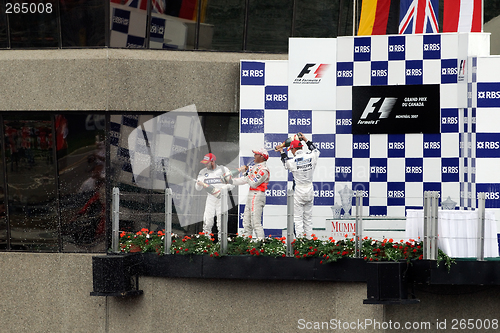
(481, 222)
(359, 224)
(354, 18)
(116, 220)
(434, 226)
(223, 223)
(427, 224)
(167, 241)
(289, 223)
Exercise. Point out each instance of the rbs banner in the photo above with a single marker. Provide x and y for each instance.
(396, 109)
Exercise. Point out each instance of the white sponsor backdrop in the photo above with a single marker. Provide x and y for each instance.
(393, 170)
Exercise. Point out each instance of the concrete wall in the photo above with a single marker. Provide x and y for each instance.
(51, 293)
(121, 80)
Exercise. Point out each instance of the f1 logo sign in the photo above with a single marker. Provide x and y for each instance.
(384, 109)
(318, 72)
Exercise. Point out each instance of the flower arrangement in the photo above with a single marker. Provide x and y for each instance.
(328, 250)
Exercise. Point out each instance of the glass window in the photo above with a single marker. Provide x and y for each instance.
(31, 188)
(146, 150)
(128, 23)
(316, 18)
(3, 210)
(269, 26)
(81, 155)
(225, 20)
(82, 22)
(4, 43)
(33, 25)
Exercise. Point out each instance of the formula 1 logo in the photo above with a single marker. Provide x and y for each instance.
(311, 74)
(381, 105)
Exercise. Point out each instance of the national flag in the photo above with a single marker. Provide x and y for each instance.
(158, 5)
(462, 16)
(378, 17)
(418, 16)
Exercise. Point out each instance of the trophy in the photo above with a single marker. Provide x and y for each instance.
(336, 210)
(448, 204)
(287, 142)
(346, 201)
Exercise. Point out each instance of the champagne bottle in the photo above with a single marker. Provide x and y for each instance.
(211, 190)
(287, 142)
(227, 178)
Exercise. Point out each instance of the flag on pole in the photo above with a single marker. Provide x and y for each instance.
(378, 17)
(418, 16)
(462, 16)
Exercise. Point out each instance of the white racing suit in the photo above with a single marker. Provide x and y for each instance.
(212, 205)
(302, 166)
(258, 178)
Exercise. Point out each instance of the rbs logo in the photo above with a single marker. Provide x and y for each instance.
(324, 194)
(361, 145)
(378, 169)
(432, 47)
(450, 169)
(252, 73)
(397, 48)
(343, 169)
(449, 71)
(449, 120)
(432, 145)
(488, 145)
(379, 72)
(276, 193)
(326, 145)
(362, 49)
(396, 145)
(413, 169)
(252, 121)
(344, 122)
(300, 121)
(346, 73)
(276, 97)
(414, 72)
(488, 94)
(492, 195)
(396, 194)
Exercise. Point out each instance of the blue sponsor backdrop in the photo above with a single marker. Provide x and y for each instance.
(252, 73)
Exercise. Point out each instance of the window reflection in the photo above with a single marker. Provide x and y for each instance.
(269, 25)
(82, 22)
(81, 160)
(226, 19)
(31, 183)
(141, 207)
(3, 26)
(3, 211)
(36, 28)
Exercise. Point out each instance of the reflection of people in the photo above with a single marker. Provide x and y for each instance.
(302, 167)
(211, 175)
(258, 178)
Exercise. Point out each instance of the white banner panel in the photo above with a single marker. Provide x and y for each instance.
(312, 73)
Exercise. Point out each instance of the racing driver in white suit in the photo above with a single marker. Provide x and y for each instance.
(302, 167)
(258, 178)
(211, 175)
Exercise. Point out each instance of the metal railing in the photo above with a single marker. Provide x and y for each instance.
(430, 227)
